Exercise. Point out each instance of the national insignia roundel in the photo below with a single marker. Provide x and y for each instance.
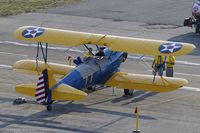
(170, 47)
(32, 32)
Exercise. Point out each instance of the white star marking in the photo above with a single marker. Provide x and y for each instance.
(170, 47)
(33, 32)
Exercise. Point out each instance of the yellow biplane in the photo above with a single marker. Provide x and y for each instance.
(99, 69)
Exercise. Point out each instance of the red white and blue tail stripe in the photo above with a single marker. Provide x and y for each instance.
(40, 93)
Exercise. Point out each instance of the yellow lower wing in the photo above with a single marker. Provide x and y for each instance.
(62, 92)
(30, 67)
(145, 82)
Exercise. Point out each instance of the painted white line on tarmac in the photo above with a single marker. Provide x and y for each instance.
(5, 66)
(190, 88)
(185, 74)
(151, 59)
(13, 54)
(35, 45)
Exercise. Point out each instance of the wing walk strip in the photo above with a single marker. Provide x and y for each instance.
(40, 90)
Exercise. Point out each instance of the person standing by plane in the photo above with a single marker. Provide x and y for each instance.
(158, 65)
(170, 66)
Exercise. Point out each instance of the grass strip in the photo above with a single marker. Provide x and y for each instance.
(13, 7)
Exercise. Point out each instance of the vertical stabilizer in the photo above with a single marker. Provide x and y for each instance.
(42, 87)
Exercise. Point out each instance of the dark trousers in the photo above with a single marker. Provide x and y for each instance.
(170, 72)
(158, 70)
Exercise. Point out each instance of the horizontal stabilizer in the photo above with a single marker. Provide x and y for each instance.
(66, 92)
(115, 43)
(62, 92)
(145, 82)
(30, 67)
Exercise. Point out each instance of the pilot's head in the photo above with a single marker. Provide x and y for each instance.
(107, 52)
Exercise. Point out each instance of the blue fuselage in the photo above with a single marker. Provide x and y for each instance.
(94, 70)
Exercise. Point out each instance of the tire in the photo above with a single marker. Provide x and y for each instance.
(91, 88)
(128, 92)
(49, 107)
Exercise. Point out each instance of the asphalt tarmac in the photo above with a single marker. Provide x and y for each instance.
(103, 111)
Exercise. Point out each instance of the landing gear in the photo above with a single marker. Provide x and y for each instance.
(91, 88)
(49, 107)
(128, 92)
(49, 102)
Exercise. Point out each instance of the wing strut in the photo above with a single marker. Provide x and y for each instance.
(47, 99)
(44, 54)
(88, 49)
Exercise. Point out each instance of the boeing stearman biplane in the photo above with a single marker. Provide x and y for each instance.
(94, 70)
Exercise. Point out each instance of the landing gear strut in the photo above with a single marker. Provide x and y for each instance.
(49, 101)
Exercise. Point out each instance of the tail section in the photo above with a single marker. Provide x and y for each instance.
(42, 87)
(41, 90)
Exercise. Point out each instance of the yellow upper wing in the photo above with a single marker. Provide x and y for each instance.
(145, 82)
(115, 43)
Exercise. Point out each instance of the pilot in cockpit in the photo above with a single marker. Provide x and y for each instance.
(100, 52)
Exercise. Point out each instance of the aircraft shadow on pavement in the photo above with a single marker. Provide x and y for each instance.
(73, 107)
(142, 97)
(46, 119)
(31, 121)
(137, 97)
(59, 109)
(43, 119)
(189, 38)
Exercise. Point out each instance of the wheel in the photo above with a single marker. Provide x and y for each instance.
(91, 88)
(49, 107)
(128, 92)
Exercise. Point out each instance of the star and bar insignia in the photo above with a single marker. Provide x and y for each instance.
(32, 32)
(170, 47)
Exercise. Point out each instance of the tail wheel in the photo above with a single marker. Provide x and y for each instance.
(128, 92)
(49, 107)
